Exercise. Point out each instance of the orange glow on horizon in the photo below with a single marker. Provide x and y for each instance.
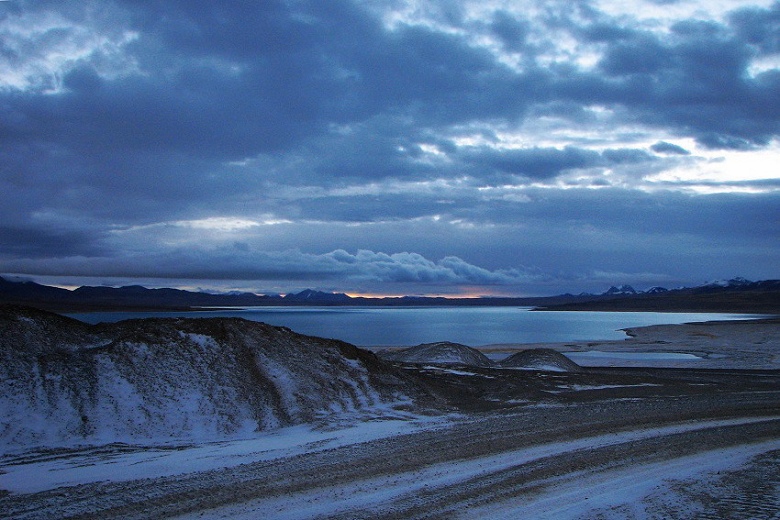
(465, 295)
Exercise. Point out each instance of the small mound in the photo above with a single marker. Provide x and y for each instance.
(442, 352)
(541, 359)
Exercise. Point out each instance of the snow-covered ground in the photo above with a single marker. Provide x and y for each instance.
(355, 437)
(634, 492)
(600, 358)
(567, 499)
(538, 479)
(33, 472)
(746, 344)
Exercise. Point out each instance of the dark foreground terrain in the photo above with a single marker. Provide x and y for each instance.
(567, 435)
(416, 441)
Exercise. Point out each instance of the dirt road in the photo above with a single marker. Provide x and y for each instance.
(535, 459)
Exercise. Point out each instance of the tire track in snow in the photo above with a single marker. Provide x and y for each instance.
(395, 476)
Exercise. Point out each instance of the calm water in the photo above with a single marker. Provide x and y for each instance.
(475, 326)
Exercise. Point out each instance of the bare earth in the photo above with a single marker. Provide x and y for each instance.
(610, 442)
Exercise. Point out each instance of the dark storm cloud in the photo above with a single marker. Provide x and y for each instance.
(220, 84)
(229, 82)
(36, 242)
(536, 162)
(606, 230)
(512, 31)
(669, 148)
(759, 27)
(694, 80)
(213, 82)
(325, 61)
(545, 163)
(318, 112)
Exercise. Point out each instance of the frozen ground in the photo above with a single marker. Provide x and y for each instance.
(749, 344)
(488, 466)
(620, 457)
(609, 443)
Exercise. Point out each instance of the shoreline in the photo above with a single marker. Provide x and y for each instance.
(712, 344)
(738, 344)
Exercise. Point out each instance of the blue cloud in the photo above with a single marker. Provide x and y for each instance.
(759, 27)
(317, 112)
(669, 148)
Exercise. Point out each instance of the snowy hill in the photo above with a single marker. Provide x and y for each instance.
(63, 382)
(540, 359)
(441, 352)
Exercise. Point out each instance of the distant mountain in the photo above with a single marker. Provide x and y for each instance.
(735, 295)
(136, 297)
(132, 297)
(317, 297)
(734, 282)
(623, 289)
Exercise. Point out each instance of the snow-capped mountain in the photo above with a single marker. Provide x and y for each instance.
(732, 283)
(621, 290)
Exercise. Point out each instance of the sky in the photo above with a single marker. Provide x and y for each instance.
(390, 147)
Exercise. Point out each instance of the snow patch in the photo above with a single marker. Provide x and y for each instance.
(566, 501)
(33, 472)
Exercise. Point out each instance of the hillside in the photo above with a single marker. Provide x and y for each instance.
(64, 382)
(442, 352)
(540, 359)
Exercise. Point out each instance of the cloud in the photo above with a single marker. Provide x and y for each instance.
(546, 163)
(492, 134)
(669, 148)
(536, 162)
(360, 268)
(759, 27)
(511, 30)
(30, 241)
(413, 267)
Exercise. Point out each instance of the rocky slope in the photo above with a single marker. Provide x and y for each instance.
(64, 382)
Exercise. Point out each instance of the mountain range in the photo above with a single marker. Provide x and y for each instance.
(735, 295)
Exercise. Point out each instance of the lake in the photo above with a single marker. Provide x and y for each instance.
(408, 326)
